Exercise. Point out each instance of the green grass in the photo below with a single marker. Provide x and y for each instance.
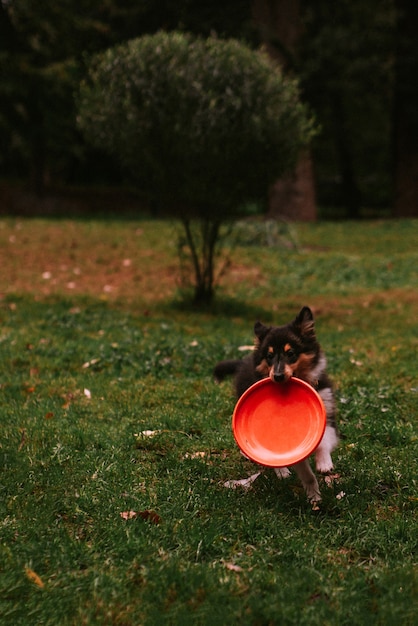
(84, 372)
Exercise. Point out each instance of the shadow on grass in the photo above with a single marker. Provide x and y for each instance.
(222, 306)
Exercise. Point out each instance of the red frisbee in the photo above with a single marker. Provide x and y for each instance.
(279, 424)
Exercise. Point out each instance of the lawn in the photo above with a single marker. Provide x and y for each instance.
(116, 442)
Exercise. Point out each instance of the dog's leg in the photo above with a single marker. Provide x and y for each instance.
(282, 472)
(308, 480)
(323, 458)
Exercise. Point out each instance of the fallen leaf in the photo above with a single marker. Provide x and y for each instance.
(233, 567)
(87, 393)
(68, 398)
(149, 516)
(245, 483)
(88, 363)
(318, 596)
(128, 514)
(49, 415)
(195, 455)
(33, 576)
(340, 495)
(22, 438)
(331, 478)
(148, 433)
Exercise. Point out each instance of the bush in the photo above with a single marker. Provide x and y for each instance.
(203, 126)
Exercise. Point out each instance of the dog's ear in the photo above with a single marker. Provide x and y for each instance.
(260, 330)
(305, 321)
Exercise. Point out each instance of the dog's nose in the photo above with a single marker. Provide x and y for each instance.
(279, 378)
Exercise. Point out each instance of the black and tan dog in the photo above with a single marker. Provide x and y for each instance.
(282, 352)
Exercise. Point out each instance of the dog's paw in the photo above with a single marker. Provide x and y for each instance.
(245, 483)
(323, 463)
(324, 468)
(282, 472)
(314, 495)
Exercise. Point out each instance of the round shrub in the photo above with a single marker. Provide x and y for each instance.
(203, 125)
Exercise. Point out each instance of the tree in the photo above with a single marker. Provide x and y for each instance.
(39, 45)
(203, 125)
(405, 121)
(42, 45)
(351, 57)
(280, 26)
(346, 59)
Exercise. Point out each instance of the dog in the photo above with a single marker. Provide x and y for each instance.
(281, 352)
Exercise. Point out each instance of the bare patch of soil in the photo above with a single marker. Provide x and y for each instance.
(73, 258)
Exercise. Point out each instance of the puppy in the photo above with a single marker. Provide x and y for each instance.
(282, 352)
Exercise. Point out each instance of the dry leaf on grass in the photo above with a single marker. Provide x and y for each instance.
(195, 455)
(22, 438)
(150, 516)
(233, 567)
(89, 363)
(245, 483)
(33, 576)
(128, 514)
(147, 515)
(330, 479)
(148, 433)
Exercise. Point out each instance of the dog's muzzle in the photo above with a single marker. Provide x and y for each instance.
(278, 377)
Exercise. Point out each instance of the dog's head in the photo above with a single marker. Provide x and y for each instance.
(285, 351)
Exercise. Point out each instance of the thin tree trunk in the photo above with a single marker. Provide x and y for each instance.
(202, 246)
(280, 29)
(405, 123)
(193, 251)
(350, 190)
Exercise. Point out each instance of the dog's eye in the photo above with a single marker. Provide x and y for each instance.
(290, 354)
(270, 357)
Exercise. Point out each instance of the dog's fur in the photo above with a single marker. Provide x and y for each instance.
(282, 352)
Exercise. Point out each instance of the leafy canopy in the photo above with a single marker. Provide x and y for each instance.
(203, 125)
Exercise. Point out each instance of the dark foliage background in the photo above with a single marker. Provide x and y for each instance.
(356, 61)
